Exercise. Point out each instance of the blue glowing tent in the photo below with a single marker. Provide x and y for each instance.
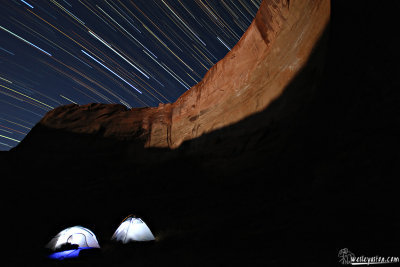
(73, 240)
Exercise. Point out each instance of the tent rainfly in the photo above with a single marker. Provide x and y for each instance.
(76, 235)
(132, 229)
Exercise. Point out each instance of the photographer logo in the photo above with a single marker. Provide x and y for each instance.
(346, 257)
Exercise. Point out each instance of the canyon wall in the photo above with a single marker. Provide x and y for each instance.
(256, 71)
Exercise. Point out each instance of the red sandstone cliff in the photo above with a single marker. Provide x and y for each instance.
(255, 72)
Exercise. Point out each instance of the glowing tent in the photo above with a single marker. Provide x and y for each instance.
(76, 235)
(132, 229)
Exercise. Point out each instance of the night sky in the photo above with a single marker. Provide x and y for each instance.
(137, 53)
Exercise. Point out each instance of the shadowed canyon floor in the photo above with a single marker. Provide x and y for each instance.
(314, 172)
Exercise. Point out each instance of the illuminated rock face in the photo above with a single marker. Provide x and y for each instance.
(255, 72)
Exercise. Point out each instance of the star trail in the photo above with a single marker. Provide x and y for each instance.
(137, 53)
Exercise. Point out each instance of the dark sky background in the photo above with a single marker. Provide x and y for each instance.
(137, 53)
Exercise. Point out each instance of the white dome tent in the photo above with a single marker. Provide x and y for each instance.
(132, 229)
(76, 235)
